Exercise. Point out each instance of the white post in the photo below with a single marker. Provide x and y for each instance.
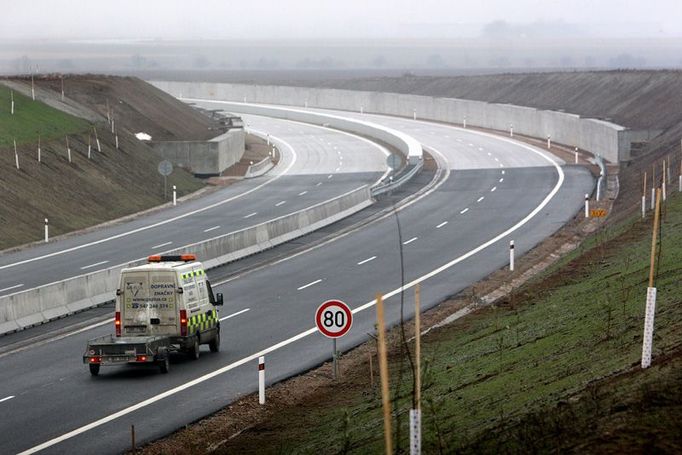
(414, 114)
(39, 150)
(112, 124)
(89, 147)
(679, 184)
(601, 176)
(306, 104)
(464, 123)
(653, 198)
(362, 110)
(62, 88)
(11, 92)
(33, 90)
(175, 200)
(47, 231)
(273, 152)
(116, 138)
(511, 130)
(587, 206)
(643, 206)
(261, 380)
(511, 256)
(68, 149)
(549, 141)
(576, 155)
(268, 138)
(415, 432)
(648, 326)
(16, 155)
(245, 99)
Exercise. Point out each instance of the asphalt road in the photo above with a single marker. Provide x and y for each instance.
(458, 233)
(317, 164)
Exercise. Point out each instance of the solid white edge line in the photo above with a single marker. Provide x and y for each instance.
(170, 220)
(234, 314)
(94, 265)
(310, 331)
(12, 287)
(312, 283)
(365, 261)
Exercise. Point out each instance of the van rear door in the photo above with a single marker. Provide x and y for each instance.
(149, 304)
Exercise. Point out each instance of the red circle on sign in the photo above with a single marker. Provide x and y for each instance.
(342, 308)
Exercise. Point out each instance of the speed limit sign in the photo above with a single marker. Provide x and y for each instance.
(333, 318)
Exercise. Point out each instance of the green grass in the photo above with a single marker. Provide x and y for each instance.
(32, 118)
(494, 369)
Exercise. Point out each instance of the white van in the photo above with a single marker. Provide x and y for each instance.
(171, 296)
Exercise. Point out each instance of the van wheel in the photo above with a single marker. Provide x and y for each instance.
(164, 364)
(214, 345)
(194, 350)
(94, 369)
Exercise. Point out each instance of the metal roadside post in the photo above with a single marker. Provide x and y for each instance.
(261, 380)
(47, 233)
(175, 198)
(416, 413)
(511, 255)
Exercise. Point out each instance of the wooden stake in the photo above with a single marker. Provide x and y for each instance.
(654, 238)
(383, 372)
(417, 346)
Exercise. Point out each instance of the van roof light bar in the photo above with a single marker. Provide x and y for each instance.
(172, 258)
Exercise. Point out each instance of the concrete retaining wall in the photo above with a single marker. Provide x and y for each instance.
(599, 137)
(204, 157)
(35, 306)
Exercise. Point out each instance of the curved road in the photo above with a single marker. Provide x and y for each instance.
(495, 190)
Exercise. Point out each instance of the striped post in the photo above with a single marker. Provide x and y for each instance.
(261, 380)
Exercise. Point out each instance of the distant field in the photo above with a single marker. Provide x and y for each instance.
(32, 118)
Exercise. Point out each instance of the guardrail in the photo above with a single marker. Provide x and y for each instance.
(260, 168)
(392, 185)
(51, 301)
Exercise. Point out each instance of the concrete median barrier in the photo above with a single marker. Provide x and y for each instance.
(55, 300)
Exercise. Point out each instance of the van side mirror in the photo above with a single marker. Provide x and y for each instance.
(219, 299)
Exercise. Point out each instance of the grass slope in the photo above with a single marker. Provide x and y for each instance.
(555, 367)
(32, 118)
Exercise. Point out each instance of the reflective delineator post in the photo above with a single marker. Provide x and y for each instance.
(511, 255)
(39, 148)
(644, 196)
(464, 122)
(362, 109)
(16, 154)
(549, 141)
(47, 232)
(11, 93)
(414, 114)
(511, 130)
(261, 380)
(587, 205)
(576, 155)
(267, 137)
(175, 200)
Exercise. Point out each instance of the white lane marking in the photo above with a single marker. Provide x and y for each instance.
(365, 261)
(94, 265)
(161, 245)
(312, 330)
(441, 224)
(492, 190)
(11, 287)
(212, 229)
(330, 176)
(312, 283)
(7, 398)
(502, 172)
(501, 180)
(318, 184)
(170, 220)
(280, 203)
(480, 149)
(497, 159)
(337, 169)
(501, 165)
(480, 199)
(459, 140)
(303, 192)
(251, 214)
(407, 242)
(464, 211)
(235, 314)
(490, 154)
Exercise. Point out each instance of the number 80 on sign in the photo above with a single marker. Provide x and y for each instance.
(333, 318)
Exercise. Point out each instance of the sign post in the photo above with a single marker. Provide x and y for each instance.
(165, 168)
(334, 319)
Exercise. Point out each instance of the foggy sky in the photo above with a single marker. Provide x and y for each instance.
(304, 19)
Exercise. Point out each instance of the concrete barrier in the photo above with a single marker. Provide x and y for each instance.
(51, 301)
(603, 138)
